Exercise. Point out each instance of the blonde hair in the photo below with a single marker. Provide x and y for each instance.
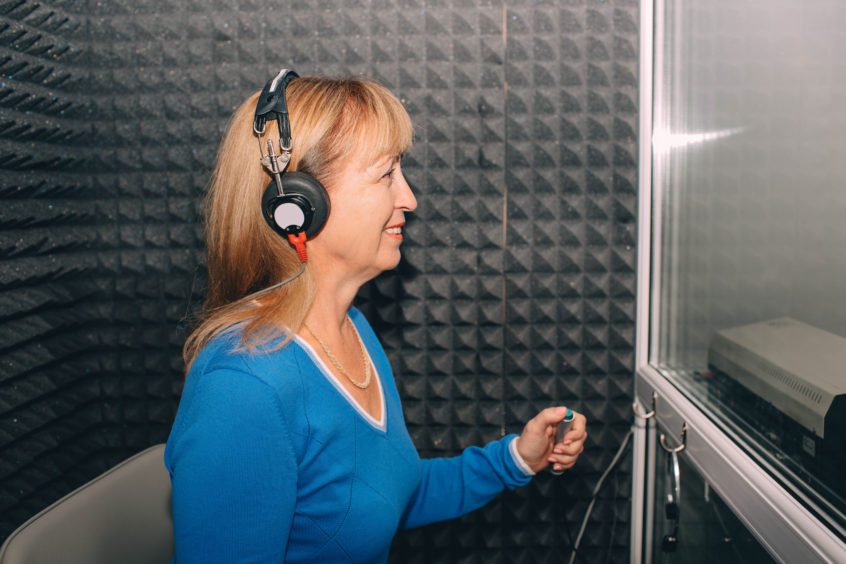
(332, 121)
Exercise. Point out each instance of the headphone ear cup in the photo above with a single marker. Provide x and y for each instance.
(305, 205)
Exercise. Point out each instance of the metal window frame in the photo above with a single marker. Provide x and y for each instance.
(784, 527)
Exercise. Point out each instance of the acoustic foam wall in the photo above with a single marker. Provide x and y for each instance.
(56, 345)
(516, 286)
(568, 264)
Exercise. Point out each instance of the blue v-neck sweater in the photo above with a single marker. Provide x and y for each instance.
(271, 461)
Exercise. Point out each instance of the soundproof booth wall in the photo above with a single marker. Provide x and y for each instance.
(516, 287)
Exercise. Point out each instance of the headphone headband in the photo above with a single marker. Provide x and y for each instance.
(271, 103)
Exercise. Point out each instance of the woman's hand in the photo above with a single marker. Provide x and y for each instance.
(536, 443)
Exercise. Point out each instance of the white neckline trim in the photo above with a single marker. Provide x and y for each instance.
(380, 424)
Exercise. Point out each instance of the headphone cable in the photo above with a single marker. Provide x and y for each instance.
(596, 489)
(278, 284)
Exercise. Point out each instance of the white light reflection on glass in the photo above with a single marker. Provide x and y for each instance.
(663, 141)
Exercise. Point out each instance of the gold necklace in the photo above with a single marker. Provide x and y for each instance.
(367, 373)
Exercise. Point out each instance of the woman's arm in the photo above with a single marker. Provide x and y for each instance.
(233, 470)
(451, 487)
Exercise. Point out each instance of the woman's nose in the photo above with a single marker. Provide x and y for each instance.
(405, 196)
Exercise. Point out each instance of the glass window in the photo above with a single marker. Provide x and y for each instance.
(693, 525)
(749, 184)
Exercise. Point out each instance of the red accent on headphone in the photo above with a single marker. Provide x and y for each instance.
(299, 241)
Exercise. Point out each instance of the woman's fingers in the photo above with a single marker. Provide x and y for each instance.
(577, 432)
(565, 459)
(577, 429)
(546, 419)
(566, 453)
(569, 450)
(538, 436)
(560, 467)
(570, 444)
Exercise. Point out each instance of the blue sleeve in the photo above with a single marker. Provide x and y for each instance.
(451, 487)
(234, 472)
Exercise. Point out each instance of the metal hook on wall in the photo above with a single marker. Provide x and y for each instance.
(679, 448)
(651, 413)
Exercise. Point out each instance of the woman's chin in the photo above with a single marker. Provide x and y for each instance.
(392, 262)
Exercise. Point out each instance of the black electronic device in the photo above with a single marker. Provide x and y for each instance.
(787, 380)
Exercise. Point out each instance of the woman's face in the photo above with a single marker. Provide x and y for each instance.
(369, 199)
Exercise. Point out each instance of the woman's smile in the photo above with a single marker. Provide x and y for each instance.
(395, 231)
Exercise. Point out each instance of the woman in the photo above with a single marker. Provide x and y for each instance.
(289, 442)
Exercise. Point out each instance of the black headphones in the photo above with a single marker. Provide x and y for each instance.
(294, 204)
(672, 505)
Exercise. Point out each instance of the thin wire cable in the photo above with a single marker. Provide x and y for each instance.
(190, 293)
(504, 289)
(560, 512)
(278, 284)
(596, 489)
(615, 482)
